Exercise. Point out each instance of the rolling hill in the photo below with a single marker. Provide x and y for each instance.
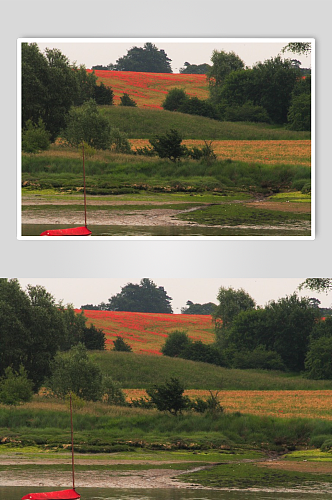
(146, 332)
(149, 89)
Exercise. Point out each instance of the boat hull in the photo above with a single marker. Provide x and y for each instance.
(70, 231)
(53, 495)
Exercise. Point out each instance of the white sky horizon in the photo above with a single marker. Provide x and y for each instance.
(92, 52)
(80, 291)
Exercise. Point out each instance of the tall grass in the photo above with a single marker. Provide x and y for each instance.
(157, 430)
(154, 173)
(141, 123)
(138, 371)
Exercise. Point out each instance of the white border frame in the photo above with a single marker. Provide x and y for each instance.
(162, 40)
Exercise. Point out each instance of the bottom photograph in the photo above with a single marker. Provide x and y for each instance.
(153, 388)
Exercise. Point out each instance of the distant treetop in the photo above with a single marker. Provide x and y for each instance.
(195, 69)
(147, 59)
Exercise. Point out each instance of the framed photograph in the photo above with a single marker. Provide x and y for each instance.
(166, 138)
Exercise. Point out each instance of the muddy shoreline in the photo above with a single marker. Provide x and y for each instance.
(163, 478)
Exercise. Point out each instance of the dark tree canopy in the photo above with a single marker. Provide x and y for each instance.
(231, 303)
(33, 327)
(223, 63)
(195, 69)
(147, 59)
(269, 84)
(205, 309)
(145, 297)
(297, 48)
(51, 85)
(283, 327)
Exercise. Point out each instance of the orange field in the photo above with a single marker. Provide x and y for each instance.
(149, 89)
(267, 152)
(146, 332)
(286, 404)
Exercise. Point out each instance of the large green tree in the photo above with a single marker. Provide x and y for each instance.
(318, 284)
(148, 59)
(231, 303)
(33, 327)
(283, 326)
(51, 85)
(74, 371)
(297, 48)
(223, 63)
(143, 297)
(269, 84)
(86, 124)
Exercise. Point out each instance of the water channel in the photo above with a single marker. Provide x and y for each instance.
(98, 230)
(16, 493)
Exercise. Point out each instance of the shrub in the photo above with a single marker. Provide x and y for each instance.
(103, 95)
(15, 387)
(169, 145)
(246, 113)
(206, 353)
(259, 358)
(126, 100)
(176, 343)
(318, 361)
(211, 404)
(35, 137)
(196, 106)
(112, 392)
(174, 99)
(121, 345)
(169, 396)
(299, 113)
(205, 153)
(306, 188)
(119, 141)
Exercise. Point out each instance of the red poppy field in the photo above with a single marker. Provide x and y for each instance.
(149, 89)
(146, 332)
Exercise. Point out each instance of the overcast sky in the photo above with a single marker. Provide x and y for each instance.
(79, 291)
(91, 52)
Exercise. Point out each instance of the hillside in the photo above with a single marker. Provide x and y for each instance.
(146, 332)
(139, 371)
(139, 123)
(149, 89)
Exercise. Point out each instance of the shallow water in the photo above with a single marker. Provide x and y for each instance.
(16, 493)
(97, 230)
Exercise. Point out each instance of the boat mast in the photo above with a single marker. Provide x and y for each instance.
(84, 185)
(72, 441)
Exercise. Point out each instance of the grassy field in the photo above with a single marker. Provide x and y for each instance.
(138, 371)
(140, 123)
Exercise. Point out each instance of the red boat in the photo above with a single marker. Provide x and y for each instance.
(53, 495)
(72, 231)
(61, 494)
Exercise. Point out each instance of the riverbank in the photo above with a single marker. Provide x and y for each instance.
(270, 473)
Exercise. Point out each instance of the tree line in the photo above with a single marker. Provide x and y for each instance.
(54, 90)
(271, 92)
(44, 342)
(288, 334)
(34, 327)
